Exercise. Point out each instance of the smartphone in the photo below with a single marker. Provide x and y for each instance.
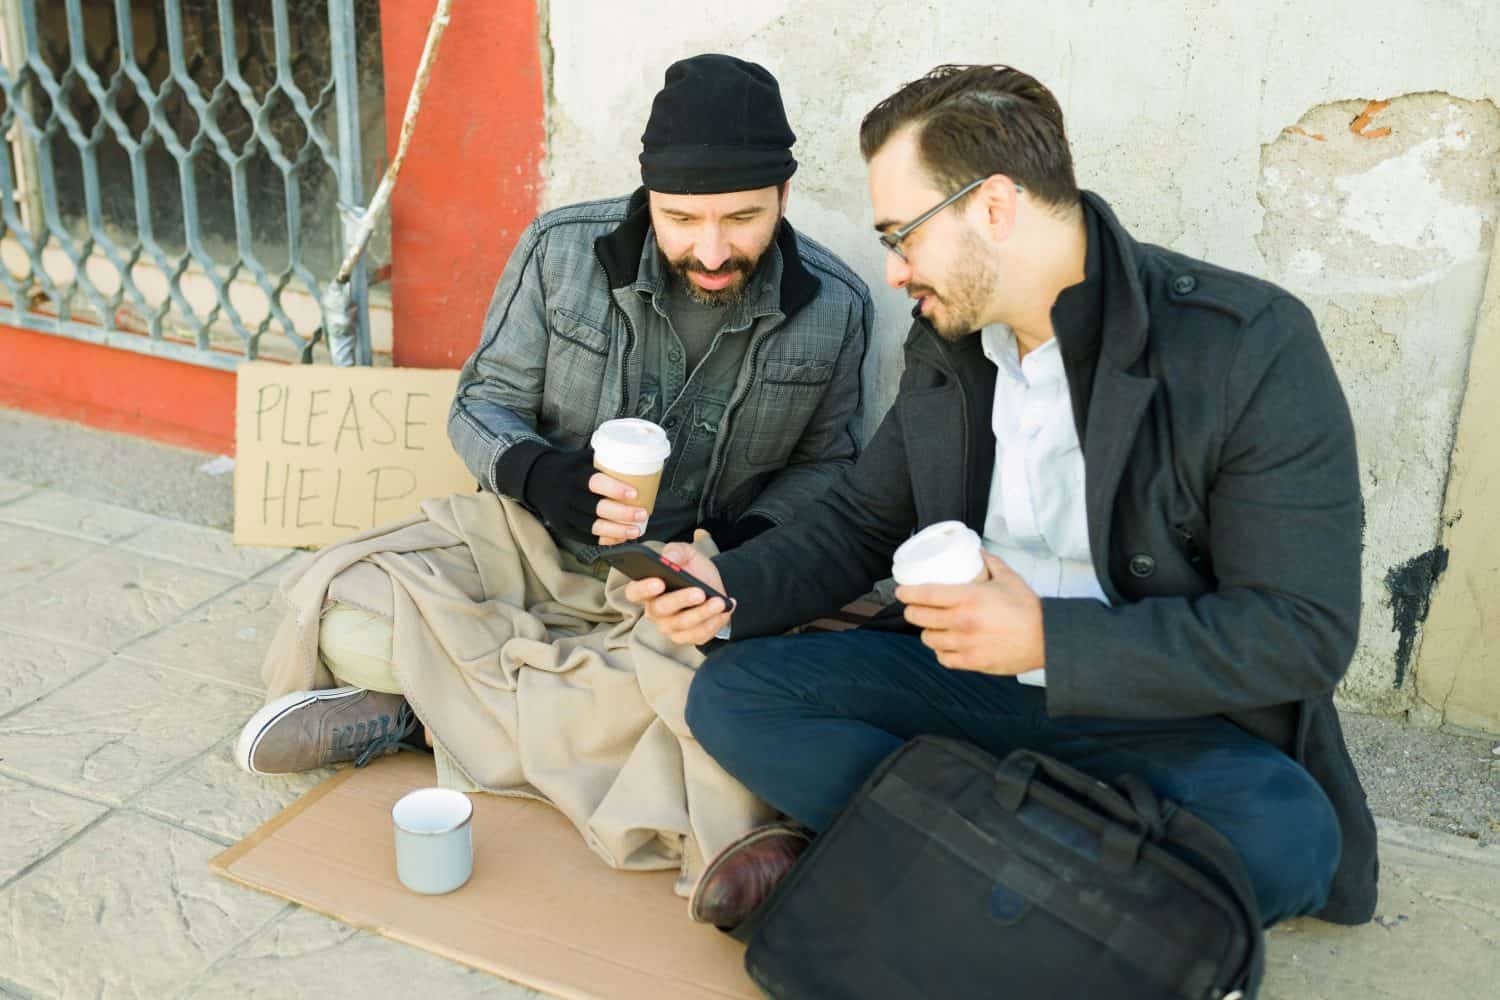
(639, 563)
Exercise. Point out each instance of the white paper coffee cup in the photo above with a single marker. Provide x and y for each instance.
(434, 840)
(946, 552)
(633, 451)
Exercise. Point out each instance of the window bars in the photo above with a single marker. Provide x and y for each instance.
(178, 176)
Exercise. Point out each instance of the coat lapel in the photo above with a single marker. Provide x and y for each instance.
(951, 447)
(1118, 404)
(1101, 365)
(941, 479)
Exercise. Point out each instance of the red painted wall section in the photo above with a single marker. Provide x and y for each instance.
(472, 178)
(176, 403)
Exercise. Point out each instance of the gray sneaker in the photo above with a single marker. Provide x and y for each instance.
(310, 729)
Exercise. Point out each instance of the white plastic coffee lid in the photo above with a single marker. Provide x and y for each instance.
(633, 446)
(946, 552)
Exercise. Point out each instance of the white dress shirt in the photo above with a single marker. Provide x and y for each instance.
(1036, 519)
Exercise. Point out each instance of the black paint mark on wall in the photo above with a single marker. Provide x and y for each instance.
(1410, 585)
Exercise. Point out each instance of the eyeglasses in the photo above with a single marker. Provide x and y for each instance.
(892, 240)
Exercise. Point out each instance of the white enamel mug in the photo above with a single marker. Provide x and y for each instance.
(434, 840)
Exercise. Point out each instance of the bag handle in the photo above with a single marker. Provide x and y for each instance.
(1130, 802)
(1141, 810)
(1013, 779)
(1145, 803)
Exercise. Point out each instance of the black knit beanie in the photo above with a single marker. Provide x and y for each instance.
(717, 125)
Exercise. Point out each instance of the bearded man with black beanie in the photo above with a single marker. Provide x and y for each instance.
(691, 303)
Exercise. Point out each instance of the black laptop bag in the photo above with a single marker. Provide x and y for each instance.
(954, 875)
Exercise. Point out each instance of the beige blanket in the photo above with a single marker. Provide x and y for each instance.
(534, 680)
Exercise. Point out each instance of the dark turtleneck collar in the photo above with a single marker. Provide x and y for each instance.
(619, 252)
(1078, 313)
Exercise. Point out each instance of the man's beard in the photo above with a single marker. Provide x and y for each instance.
(971, 282)
(740, 266)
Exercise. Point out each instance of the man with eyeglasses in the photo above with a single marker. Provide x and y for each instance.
(1161, 463)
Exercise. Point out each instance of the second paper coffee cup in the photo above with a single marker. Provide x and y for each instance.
(633, 451)
(946, 552)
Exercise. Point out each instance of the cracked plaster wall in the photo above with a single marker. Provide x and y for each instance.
(1240, 132)
(1381, 216)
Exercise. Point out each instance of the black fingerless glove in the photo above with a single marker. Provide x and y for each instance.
(557, 488)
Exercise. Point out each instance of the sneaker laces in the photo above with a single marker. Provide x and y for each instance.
(389, 736)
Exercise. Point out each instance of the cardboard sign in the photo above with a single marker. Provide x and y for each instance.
(324, 452)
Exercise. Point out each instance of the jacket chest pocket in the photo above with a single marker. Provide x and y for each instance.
(694, 447)
(1160, 538)
(578, 364)
(785, 397)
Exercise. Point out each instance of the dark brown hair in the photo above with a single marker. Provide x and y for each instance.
(974, 121)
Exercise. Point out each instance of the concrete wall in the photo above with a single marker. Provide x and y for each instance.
(1251, 133)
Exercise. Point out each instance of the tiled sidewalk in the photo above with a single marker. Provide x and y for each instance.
(129, 654)
(129, 657)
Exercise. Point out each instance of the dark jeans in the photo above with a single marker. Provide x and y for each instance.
(803, 720)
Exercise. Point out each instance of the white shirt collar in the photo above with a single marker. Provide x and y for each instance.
(1042, 364)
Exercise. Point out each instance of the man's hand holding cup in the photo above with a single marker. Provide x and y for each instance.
(975, 613)
(630, 455)
(606, 490)
(618, 519)
(683, 616)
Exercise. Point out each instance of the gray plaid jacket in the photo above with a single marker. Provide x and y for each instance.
(559, 355)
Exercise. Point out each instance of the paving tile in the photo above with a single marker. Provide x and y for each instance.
(273, 575)
(108, 600)
(225, 639)
(1436, 932)
(70, 515)
(31, 667)
(130, 909)
(307, 954)
(36, 822)
(28, 554)
(205, 548)
(119, 729)
(214, 797)
(11, 489)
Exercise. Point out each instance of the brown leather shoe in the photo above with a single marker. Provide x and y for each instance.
(743, 874)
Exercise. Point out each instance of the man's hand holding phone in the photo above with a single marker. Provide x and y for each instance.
(686, 616)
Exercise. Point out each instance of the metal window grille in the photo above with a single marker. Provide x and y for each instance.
(177, 176)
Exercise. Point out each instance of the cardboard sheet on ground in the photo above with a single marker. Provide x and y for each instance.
(323, 452)
(540, 908)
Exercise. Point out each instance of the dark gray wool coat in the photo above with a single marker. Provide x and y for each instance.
(1223, 506)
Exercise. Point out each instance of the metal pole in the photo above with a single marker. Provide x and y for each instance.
(28, 193)
(408, 125)
(348, 326)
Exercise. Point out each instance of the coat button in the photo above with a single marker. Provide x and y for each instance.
(670, 422)
(1184, 283)
(1142, 565)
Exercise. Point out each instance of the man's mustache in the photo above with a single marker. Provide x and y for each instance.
(728, 267)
